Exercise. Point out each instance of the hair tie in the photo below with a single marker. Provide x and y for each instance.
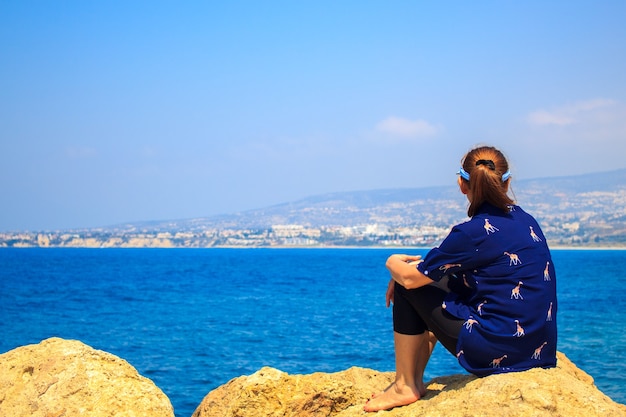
(466, 176)
(488, 162)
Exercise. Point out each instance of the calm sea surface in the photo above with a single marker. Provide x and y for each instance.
(192, 319)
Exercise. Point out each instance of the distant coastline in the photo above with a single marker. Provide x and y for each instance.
(311, 247)
(578, 212)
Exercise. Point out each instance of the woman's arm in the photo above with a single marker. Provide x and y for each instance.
(403, 269)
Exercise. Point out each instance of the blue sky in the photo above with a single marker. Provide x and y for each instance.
(115, 112)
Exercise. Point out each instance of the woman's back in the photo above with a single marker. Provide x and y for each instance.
(511, 310)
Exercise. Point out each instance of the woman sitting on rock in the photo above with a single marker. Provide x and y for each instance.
(487, 293)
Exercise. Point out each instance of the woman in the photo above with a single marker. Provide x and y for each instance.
(487, 293)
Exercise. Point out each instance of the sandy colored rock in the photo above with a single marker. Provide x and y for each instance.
(564, 391)
(60, 377)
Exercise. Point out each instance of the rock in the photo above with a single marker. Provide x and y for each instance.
(563, 391)
(60, 377)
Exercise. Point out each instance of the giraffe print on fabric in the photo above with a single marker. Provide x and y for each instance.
(445, 267)
(496, 362)
(549, 315)
(537, 353)
(489, 228)
(515, 292)
(513, 259)
(469, 324)
(546, 272)
(533, 235)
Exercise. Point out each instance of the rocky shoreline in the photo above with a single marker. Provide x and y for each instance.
(59, 377)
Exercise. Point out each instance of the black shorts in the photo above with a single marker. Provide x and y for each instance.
(418, 310)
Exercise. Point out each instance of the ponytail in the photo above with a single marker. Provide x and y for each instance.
(486, 171)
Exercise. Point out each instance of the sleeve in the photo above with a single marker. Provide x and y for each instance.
(454, 254)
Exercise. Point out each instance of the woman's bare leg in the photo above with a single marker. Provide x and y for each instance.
(422, 360)
(410, 353)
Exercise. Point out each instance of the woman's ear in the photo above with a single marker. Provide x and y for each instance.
(463, 185)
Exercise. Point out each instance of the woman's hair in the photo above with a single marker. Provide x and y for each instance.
(486, 171)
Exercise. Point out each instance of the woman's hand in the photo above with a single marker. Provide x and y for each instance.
(406, 258)
(392, 284)
(390, 291)
(403, 269)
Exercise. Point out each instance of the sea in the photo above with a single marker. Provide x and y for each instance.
(193, 319)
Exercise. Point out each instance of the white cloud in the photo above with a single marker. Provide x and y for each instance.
(543, 118)
(573, 113)
(398, 126)
(584, 136)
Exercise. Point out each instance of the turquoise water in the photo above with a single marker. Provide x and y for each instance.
(192, 319)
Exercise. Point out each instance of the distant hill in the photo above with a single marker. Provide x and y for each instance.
(584, 211)
(601, 193)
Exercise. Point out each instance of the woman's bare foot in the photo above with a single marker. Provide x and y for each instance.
(421, 388)
(393, 396)
(376, 394)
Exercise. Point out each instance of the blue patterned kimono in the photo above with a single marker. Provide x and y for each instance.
(503, 285)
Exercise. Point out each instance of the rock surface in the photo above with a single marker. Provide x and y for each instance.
(562, 391)
(68, 378)
(60, 377)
